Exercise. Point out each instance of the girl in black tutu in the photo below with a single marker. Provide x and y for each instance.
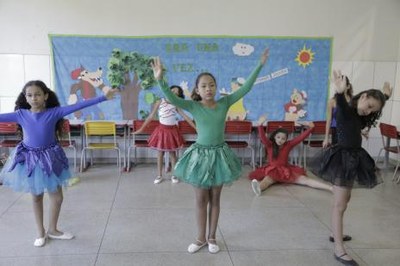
(347, 164)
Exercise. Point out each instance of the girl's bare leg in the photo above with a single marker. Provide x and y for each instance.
(202, 199)
(172, 158)
(37, 201)
(306, 181)
(266, 182)
(56, 199)
(341, 197)
(215, 196)
(160, 162)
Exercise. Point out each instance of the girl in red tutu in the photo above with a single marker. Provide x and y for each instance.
(166, 137)
(278, 169)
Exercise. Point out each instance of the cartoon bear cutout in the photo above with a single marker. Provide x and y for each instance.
(294, 109)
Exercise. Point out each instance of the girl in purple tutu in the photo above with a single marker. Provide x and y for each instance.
(38, 164)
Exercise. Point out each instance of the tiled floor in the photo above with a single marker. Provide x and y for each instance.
(124, 219)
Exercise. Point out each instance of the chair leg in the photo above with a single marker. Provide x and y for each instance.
(253, 155)
(82, 160)
(91, 157)
(135, 156)
(128, 166)
(379, 155)
(119, 160)
(395, 171)
(74, 160)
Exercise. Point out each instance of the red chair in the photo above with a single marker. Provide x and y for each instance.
(238, 136)
(11, 136)
(315, 139)
(271, 127)
(388, 133)
(188, 133)
(10, 132)
(140, 140)
(66, 140)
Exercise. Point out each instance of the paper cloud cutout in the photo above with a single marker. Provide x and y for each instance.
(242, 49)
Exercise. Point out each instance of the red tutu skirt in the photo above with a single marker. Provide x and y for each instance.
(280, 173)
(166, 138)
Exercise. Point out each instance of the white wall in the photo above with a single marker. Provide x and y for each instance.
(366, 33)
(362, 29)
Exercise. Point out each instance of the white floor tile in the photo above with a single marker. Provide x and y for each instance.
(124, 219)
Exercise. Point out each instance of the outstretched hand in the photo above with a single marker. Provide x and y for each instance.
(340, 81)
(387, 89)
(157, 67)
(110, 93)
(264, 56)
(261, 120)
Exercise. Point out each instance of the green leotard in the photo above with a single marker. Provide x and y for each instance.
(209, 162)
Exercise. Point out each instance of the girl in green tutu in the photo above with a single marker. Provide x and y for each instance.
(209, 163)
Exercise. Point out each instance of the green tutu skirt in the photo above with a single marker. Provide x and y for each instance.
(208, 166)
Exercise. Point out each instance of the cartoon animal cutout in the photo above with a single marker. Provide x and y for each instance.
(85, 89)
(237, 111)
(294, 109)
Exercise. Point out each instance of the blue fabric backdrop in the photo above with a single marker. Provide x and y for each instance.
(293, 85)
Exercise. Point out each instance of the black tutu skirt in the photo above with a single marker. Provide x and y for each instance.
(346, 167)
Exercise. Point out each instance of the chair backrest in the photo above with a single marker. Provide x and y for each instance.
(100, 128)
(274, 125)
(11, 133)
(388, 130)
(66, 132)
(148, 129)
(238, 127)
(185, 128)
(66, 126)
(238, 131)
(8, 128)
(319, 128)
(317, 136)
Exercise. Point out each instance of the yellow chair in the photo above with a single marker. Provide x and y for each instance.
(94, 130)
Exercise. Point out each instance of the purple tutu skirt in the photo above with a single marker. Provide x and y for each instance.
(36, 170)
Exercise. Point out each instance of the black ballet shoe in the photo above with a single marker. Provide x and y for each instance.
(345, 238)
(345, 262)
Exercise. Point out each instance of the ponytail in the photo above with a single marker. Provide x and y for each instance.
(195, 96)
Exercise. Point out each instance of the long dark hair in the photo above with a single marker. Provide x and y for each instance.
(275, 147)
(370, 120)
(180, 91)
(195, 96)
(52, 100)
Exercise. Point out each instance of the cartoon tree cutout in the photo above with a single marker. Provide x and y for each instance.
(130, 72)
